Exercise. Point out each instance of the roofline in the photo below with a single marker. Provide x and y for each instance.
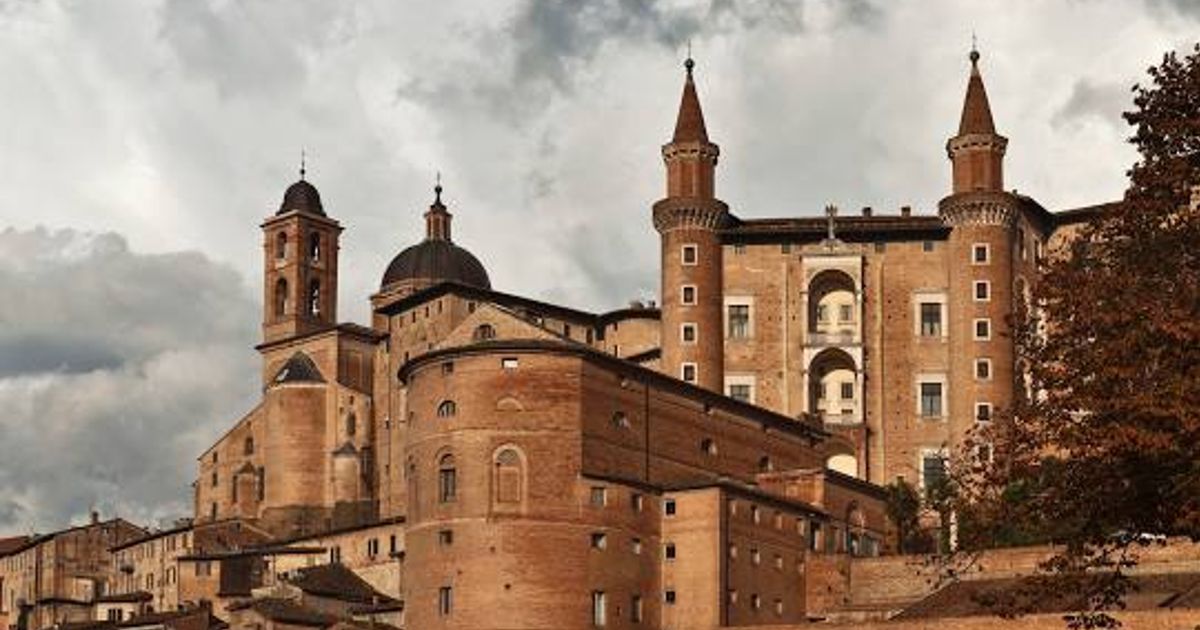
(37, 540)
(1084, 214)
(350, 328)
(394, 520)
(320, 218)
(250, 552)
(850, 229)
(152, 536)
(796, 426)
(879, 492)
(747, 490)
(478, 293)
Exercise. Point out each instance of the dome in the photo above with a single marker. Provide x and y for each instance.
(434, 261)
(301, 197)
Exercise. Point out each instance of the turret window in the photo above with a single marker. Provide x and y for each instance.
(314, 247)
(983, 329)
(281, 298)
(447, 479)
(314, 298)
(690, 254)
(687, 295)
(688, 372)
(687, 333)
(983, 291)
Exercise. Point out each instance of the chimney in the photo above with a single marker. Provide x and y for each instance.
(867, 211)
(905, 211)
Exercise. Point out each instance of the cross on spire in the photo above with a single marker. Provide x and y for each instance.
(302, 163)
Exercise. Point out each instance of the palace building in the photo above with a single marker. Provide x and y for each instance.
(544, 459)
(478, 459)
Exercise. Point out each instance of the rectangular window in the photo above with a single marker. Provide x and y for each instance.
(636, 501)
(931, 319)
(635, 609)
(445, 537)
(669, 597)
(983, 291)
(983, 412)
(688, 372)
(687, 295)
(1021, 243)
(933, 469)
(635, 545)
(599, 540)
(445, 601)
(372, 547)
(739, 249)
(599, 609)
(822, 313)
(599, 496)
(689, 254)
(927, 246)
(687, 333)
(980, 254)
(983, 369)
(845, 313)
(983, 329)
(931, 400)
(739, 321)
(669, 551)
(669, 507)
(509, 363)
(447, 484)
(740, 391)
(847, 391)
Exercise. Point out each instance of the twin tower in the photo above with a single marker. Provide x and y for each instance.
(692, 220)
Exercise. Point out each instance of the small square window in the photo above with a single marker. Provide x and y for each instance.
(687, 295)
(983, 291)
(983, 369)
(669, 551)
(983, 329)
(599, 540)
(445, 537)
(689, 254)
(927, 246)
(847, 391)
(635, 545)
(740, 392)
(688, 372)
(687, 333)
(509, 363)
(599, 496)
(980, 254)
(669, 596)
(983, 412)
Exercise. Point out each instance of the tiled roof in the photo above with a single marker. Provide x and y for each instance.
(335, 581)
(286, 611)
(299, 369)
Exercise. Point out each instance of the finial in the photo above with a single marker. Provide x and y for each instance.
(688, 64)
(302, 160)
(437, 189)
(974, 56)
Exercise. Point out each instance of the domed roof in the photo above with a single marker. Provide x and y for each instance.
(436, 260)
(301, 197)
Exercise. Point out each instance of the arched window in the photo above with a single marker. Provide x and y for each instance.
(351, 424)
(447, 409)
(248, 446)
(281, 245)
(508, 480)
(447, 479)
(485, 332)
(314, 247)
(314, 298)
(765, 464)
(281, 298)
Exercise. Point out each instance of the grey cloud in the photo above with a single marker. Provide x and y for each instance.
(1088, 99)
(117, 369)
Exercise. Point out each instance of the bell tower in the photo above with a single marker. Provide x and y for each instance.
(689, 220)
(300, 262)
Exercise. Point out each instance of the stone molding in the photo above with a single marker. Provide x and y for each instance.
(979, 208)
(675, 213)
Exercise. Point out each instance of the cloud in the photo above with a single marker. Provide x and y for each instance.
(118, 369)
(1101, 101)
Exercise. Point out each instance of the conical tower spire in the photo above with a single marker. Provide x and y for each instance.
(689, 126)
(977, 113)
(977, 152)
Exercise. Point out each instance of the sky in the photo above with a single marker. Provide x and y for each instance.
(144, 142)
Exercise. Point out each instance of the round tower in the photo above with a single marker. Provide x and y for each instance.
(689, 220)
(985, 222)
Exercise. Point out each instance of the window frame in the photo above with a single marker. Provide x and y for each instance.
(684, 249)
(986, 285)
(987, 327)
(986, 248)
(683, 295)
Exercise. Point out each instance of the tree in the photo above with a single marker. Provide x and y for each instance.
(1103, 446)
